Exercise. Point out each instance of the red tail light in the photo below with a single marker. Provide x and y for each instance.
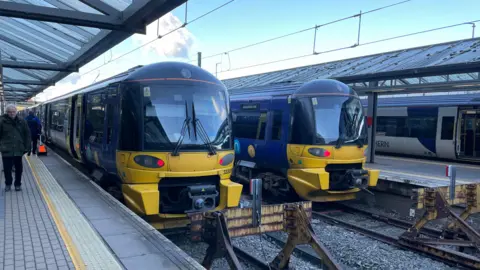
(319, 152)
(160, 163)
(149, 161)
(227, 159)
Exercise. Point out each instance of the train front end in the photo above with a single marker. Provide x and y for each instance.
(175, 149)
(328, 143)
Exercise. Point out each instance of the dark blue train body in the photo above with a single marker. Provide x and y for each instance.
(306, 139)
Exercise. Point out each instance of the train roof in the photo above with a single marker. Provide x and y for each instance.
(169, 69)
(437, 100)
(267, 91)
(285, 89)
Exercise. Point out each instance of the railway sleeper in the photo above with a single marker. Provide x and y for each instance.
(217, 228)
(457, 232)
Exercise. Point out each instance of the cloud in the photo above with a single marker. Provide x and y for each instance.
(175, 45)
(73, 78)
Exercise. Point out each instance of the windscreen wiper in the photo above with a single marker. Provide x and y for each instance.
(340, 142)
(185, 125)
(341, 133)
(203, 134)
(182, 135)
(359, 141)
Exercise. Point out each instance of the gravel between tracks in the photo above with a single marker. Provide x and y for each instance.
(261, 248)
(361, 252)
(198, 251)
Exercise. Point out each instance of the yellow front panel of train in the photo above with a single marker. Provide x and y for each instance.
(192, 162)
(300, 157)
(141, 184)
(308, 176)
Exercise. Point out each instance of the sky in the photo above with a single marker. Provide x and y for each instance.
(244, 22)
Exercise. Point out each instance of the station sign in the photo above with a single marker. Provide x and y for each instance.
(250, 106)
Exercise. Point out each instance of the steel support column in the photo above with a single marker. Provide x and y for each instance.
(372, 116)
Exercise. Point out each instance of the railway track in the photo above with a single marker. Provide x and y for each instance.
(372, 225)
(250, 259)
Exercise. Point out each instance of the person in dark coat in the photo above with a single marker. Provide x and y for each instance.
(35, 130)
(14, 143)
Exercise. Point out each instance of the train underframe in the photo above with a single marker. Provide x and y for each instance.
(335, 182)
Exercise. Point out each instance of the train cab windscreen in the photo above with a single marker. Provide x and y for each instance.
(334, 120)
(185, 117)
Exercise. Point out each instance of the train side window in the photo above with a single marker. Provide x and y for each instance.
(262, 125)
(277, 125)
(250, 125)
(392, 126)
(448, 123)
(422, 127)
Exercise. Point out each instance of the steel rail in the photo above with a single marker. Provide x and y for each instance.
(449, 257)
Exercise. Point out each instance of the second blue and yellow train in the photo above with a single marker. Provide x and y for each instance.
(301, 139)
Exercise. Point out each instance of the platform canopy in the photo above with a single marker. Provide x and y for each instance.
(43, 41)
(434, 68)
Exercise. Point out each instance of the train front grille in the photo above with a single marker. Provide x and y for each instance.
(179, 195)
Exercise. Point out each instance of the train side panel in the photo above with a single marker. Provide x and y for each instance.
(407, 130)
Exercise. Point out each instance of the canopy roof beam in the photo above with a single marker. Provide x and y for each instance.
(30, 82)
(33, 65)
(102, 7)
(63, 16)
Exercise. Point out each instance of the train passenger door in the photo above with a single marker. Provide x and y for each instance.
(277, 134)
(445, 144)
(94, 127)
(48, 122)
(75, 126)
(111, 134)
(470, 134)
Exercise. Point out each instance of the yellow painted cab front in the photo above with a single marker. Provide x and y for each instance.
(329, 138)
(175, 152)
(188, 182)
(324, 173)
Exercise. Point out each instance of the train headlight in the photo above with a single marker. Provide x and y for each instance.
(319, 152)
(227, 159)
(149, 161)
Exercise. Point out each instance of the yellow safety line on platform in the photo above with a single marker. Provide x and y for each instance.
(431, 162)
(72, 249)
(426, 176)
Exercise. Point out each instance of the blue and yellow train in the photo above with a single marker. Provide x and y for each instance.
(306, 139)
(161, 133)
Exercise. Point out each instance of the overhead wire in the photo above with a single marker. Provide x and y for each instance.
(161, 36)
(350, 47)
(303, 30)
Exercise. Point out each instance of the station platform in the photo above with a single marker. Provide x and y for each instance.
(398, 171)
(62, 220)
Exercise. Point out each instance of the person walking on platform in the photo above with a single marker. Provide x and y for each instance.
(14, 143)
(35, 130)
